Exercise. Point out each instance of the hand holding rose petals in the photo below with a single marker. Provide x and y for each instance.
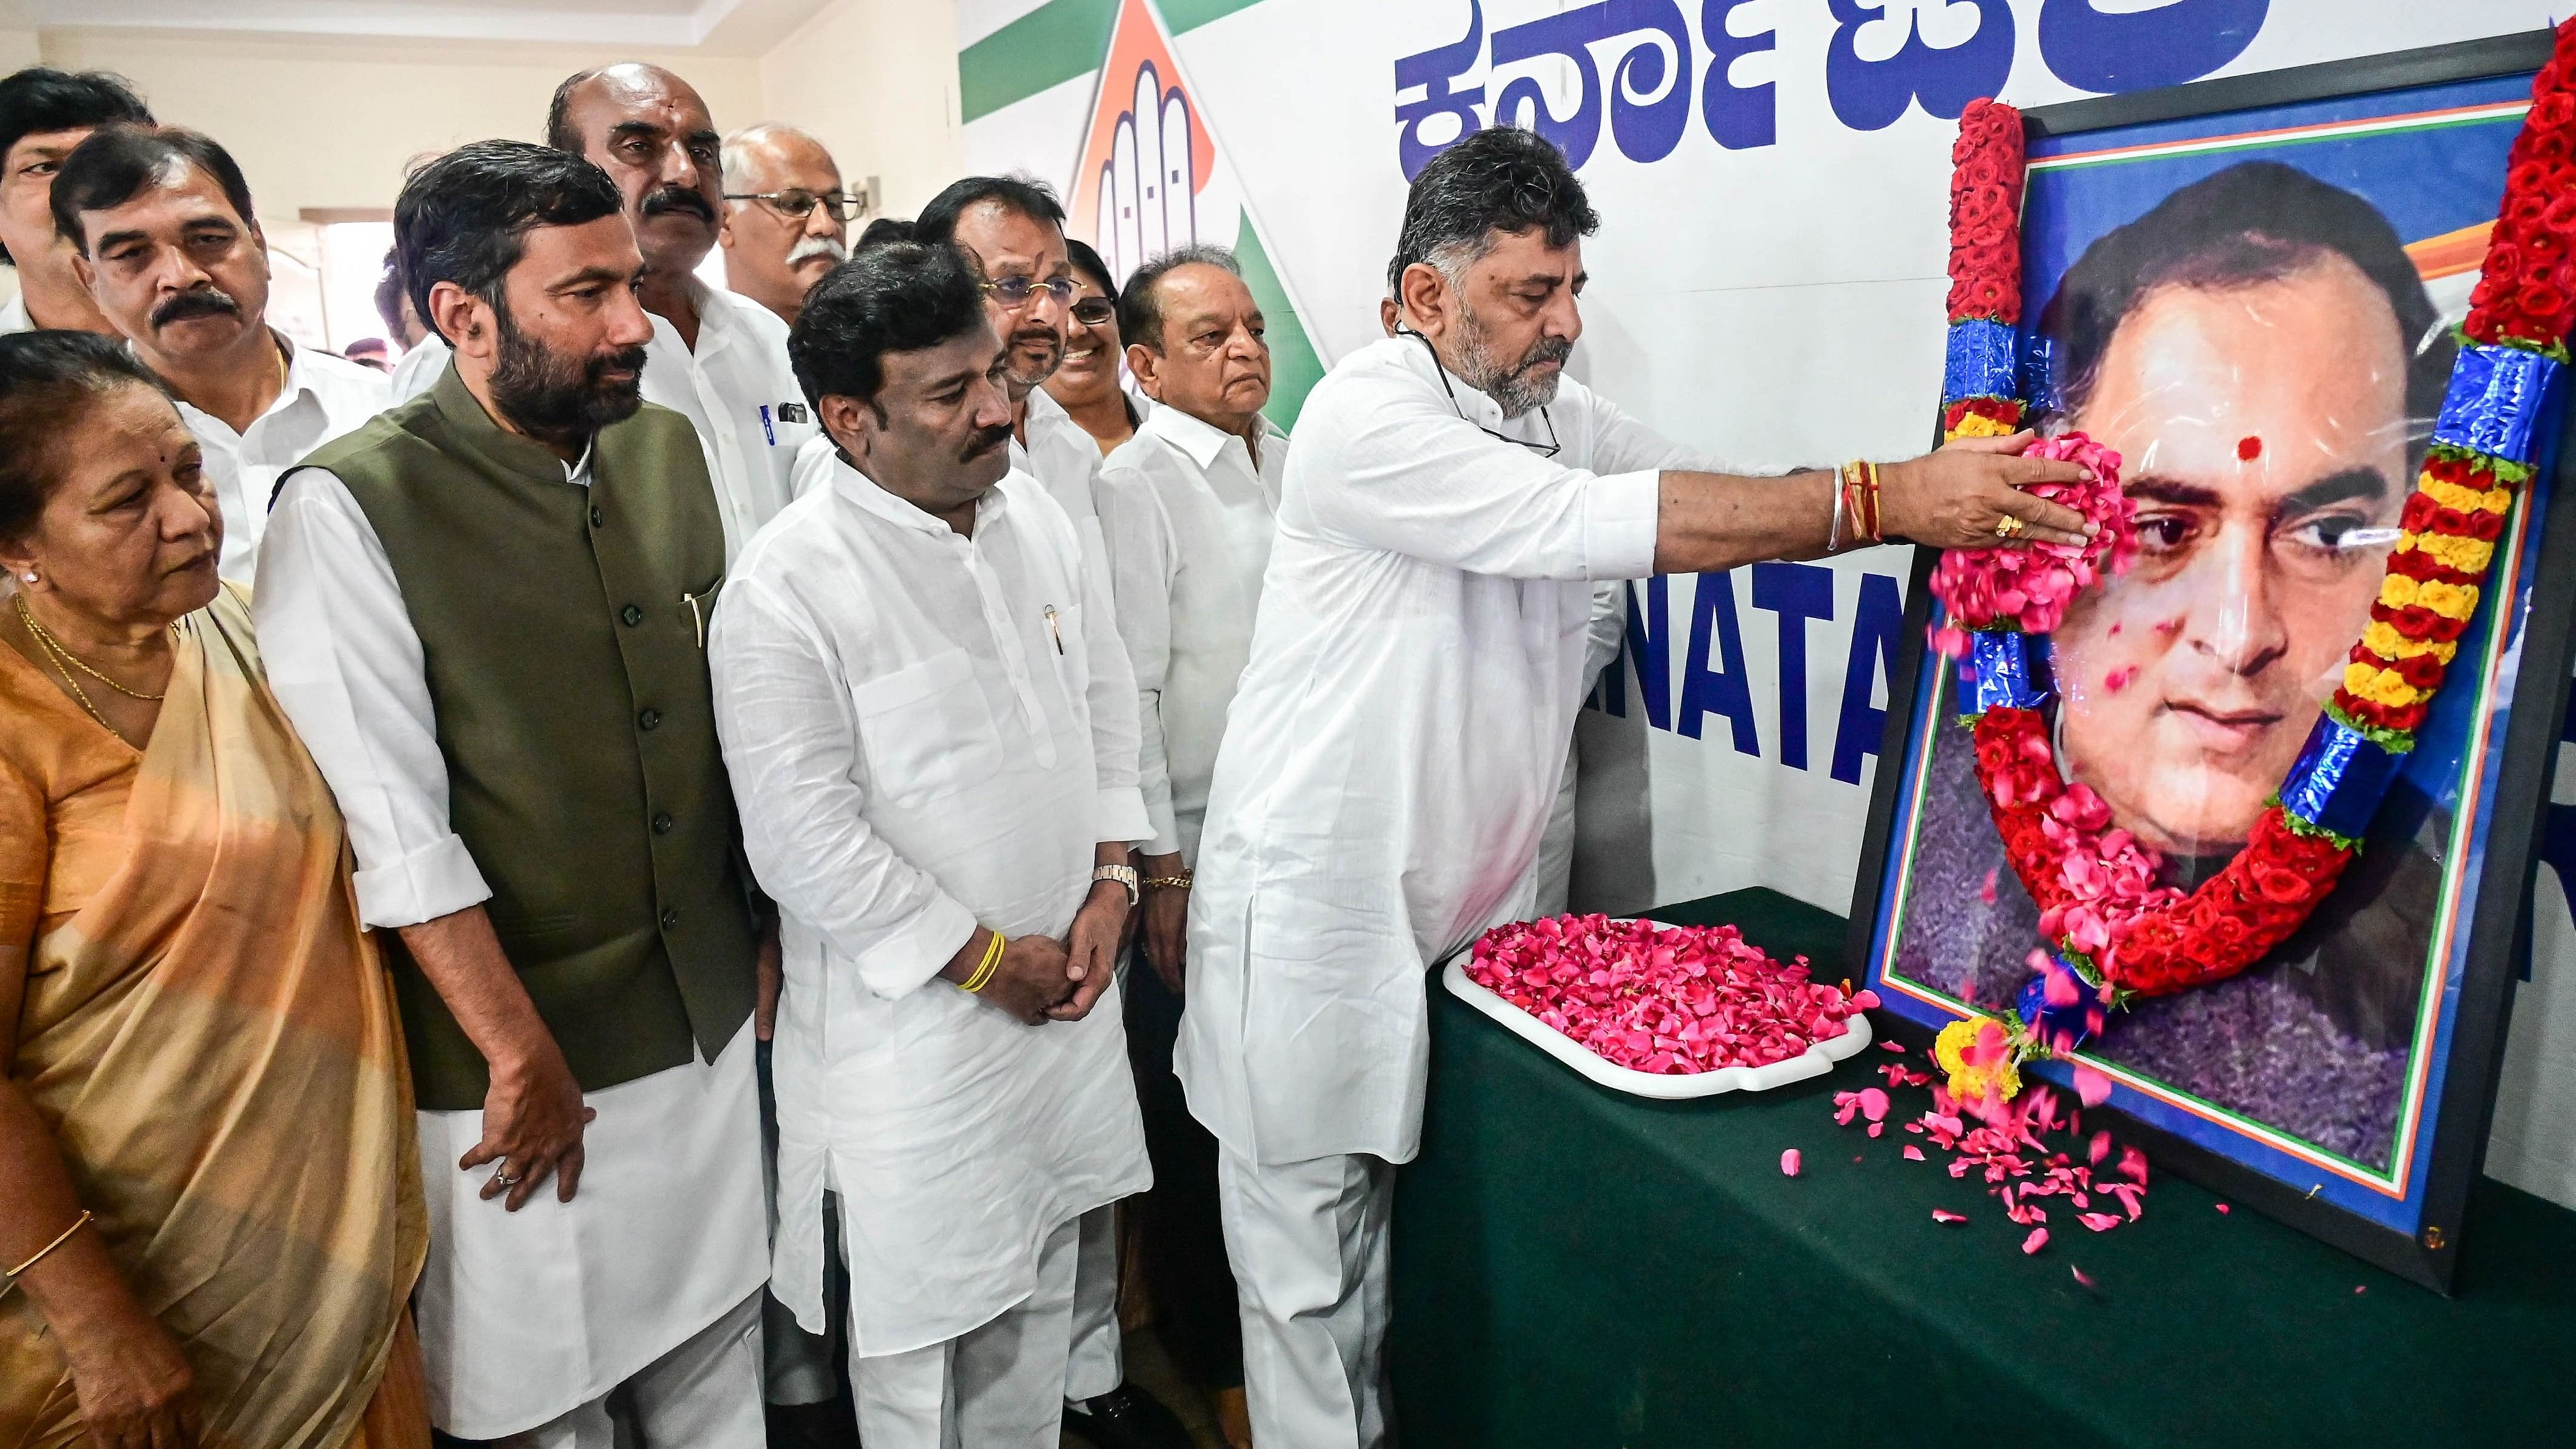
(2029, 588)
(1666, 1000)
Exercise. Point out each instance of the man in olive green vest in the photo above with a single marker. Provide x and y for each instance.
(486, 615)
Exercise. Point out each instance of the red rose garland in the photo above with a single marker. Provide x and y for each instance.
(2117, 934)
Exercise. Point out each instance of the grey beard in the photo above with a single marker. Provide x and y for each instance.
(1512, 388)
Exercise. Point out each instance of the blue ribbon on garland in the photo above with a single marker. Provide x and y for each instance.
(2004, 668)
(2059, 1028)
(2497, 401)
(1981, 361)
(2339, 778)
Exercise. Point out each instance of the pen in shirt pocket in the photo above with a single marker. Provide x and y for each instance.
(1054, 630)
(766, 430)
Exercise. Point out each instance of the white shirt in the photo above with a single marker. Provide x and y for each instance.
(1188, 520)
(324, 396)
(736, 390)
(14, 318)
(525, 1315)
(927, 732)
(1393, 751)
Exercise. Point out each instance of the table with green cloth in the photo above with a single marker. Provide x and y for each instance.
(1578, 1267)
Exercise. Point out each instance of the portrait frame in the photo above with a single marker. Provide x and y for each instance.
(2410, 1222)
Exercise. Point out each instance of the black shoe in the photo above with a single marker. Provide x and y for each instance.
(827, 1425)
(1127, 1417)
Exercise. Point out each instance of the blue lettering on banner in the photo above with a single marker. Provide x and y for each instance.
(1797, 593)
(1869, 95)
(1728, 689)
(1873, 658)
(2112, 51)
(1650, 638)
(1738, 118)
(1441, 98)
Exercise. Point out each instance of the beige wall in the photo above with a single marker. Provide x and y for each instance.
(332, 124)
(326, 123)
(876, 82)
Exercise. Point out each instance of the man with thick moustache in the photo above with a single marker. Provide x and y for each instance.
(787, 220)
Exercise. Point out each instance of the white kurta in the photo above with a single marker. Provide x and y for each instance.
(927, 732)
(324, 397)
(736, 389)
(527, 1315)
(14, 318)
(1393, 751)
(1188, 520)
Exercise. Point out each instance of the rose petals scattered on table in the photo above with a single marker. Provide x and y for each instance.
(1944, 1215)
(2222, 1207)
(1913, 1153)
(1666, 1000)
(2037, 1240)
(1789, 1162)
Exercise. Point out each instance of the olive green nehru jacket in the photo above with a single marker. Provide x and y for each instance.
(563, 632)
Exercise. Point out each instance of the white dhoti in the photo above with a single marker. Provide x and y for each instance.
(706, 1391)
(527, 1317)
(1308, 1241)
(1000, 1385)
(1096, 1363)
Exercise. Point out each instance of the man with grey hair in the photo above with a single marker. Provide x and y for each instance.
(1187, 507)
(1392, 753)
(786, 220)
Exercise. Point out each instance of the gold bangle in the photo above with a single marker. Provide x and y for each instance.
(1166, 882)
(78, 1223)
(983, 976)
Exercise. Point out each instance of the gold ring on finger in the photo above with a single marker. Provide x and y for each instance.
(2010, 527)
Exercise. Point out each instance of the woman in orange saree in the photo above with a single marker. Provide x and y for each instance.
(208, 1184)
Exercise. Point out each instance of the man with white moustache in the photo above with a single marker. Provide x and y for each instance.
(931, 730)
(787, 221)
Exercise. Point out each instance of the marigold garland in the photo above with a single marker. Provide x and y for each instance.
(2116, 934)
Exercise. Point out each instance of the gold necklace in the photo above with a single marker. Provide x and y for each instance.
(72, 684)
(55, 647)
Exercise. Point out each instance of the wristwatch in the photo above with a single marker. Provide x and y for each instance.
(1123, 874)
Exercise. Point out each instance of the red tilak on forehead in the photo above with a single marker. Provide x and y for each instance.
(2249, 448)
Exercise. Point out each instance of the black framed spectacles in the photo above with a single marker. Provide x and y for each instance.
(1093, 311)
(796, 203)
(1017, 292)
(1548, 449)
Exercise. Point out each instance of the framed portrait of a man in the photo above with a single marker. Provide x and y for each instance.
(2250, 289)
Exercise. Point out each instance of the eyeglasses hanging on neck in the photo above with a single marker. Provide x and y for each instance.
(1548, 449)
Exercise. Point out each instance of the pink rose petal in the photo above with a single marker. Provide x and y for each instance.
(1873, 1104)
(1944, 1215)
(1913, 1153)
(2099, 1222)
(2082, 1277)
(1789, 1162)
(2037, 1240)
(2092, 1086)
(2222, 1207)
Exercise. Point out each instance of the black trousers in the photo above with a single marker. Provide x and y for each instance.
(1180, 1234)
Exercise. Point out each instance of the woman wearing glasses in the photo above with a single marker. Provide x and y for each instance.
(1086, 383)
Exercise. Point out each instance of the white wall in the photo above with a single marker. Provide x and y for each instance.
(876, 82)
(328, 123)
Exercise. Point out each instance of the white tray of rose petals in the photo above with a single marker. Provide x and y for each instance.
(1657, 1010)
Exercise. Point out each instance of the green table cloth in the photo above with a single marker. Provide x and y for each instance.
(1576, 1267)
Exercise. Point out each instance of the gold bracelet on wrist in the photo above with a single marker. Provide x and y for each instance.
(65, 1236)
(1167, 882)
(983, 975)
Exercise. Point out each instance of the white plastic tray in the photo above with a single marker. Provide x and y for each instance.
(1814, 1062)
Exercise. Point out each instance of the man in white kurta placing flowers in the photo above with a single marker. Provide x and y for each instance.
(931, 731)
(1393, 750)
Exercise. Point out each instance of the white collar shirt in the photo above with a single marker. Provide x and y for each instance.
(324, 396)
(14, 318)
(927, 732)
(1187, 516)
(1394, 748)
(736, 389)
